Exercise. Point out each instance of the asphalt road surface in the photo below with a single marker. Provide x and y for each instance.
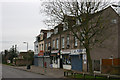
(10, 72)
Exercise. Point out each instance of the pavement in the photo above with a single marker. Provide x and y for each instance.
(11, 72)
(0, 70)
(53, 72)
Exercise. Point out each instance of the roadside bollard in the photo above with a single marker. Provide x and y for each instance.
(64, 73)
(95, 76)
(28, 66)
(108, 77)
(83, 75)
(74, 74)
(67, 73)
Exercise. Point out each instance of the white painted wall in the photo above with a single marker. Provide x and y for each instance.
(35, 48)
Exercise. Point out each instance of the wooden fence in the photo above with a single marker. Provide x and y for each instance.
(110, 66)
(107, 62)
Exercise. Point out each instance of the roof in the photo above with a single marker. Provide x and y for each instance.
(94, 14)
(44, 31)
(38, 35)
(59, 25)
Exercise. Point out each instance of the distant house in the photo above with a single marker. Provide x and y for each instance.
(40, 58)
(24, 58)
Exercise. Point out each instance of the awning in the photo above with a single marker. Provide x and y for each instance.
(54, 52)
(76, 54)
(65, 53)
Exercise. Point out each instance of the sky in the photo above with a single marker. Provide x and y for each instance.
(20, 21)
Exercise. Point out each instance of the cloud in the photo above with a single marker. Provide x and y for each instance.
(21, 21)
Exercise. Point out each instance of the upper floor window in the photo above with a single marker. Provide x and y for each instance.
(46, 46)
(114, 21)
(42, 46)
(57, 43)
(55, 30)
(68, 40)
(49, 34)
(82, 38)
(62, 42)
(78, 22)
(49, 44)
(53, 43)
(65, 26)
(75, 38)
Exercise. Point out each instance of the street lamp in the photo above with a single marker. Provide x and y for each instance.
(27, 45)
(28, 66)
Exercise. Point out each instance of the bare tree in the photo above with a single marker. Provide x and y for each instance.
(84, 20)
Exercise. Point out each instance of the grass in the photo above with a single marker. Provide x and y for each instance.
(10, 64)
(88, 77)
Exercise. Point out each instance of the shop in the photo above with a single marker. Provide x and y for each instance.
(55, 59)
(66, 59)
(78, 59)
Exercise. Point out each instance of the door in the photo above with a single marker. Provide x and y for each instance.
(96, 65)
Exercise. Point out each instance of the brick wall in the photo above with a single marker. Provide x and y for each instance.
(21, 62)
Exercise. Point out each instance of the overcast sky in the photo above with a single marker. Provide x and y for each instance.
(20, 20)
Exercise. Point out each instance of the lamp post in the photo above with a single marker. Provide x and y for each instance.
(28, 66)
(27, 45)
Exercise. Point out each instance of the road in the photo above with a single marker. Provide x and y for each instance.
(10, 72)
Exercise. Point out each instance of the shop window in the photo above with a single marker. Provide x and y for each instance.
(66, 60)
(75, 43)
(53, 43)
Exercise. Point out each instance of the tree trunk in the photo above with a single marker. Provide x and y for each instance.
(89, 59)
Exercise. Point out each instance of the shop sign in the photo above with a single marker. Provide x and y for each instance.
(65, 52)
(78, 51)
(41, 53)
(54, 51)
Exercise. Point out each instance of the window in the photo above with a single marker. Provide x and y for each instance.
(46, 46)
(42, 46)
(68, 39)
(114, 21)
(49, 44)
(53, 43)
(75, 41)
(65, 26)
(55, 30)
(83, 35)
(66, 59)
(49, 34)
(57, 43)
(62, 42)
(78, 22)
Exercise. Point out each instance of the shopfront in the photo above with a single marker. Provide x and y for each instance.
(66, 59)
(55, 59)
(77, 59)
